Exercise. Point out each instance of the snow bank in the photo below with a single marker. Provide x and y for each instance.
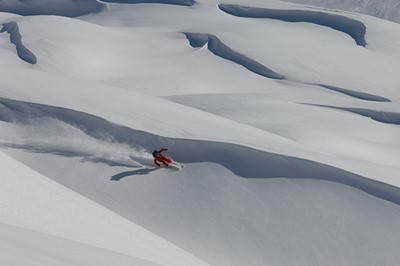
(68, 8)
(352, 27)
(217, 47)
(241, 160)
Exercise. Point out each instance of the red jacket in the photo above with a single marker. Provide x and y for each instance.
(161, 158)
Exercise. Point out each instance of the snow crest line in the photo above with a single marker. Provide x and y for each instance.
(380, 116)
(16, 38)
(352, 27)
(217, 47)
(66, 8)
(355, 94)
(168, 2)
(243, 161)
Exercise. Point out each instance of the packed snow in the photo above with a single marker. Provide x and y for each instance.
(288, 132)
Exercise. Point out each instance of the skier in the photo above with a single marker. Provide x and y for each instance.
(158, 157)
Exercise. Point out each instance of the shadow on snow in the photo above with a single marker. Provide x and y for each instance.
(242, 161)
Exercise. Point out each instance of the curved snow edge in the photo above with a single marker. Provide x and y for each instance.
(217, 47)
(168, 2)
(352, 27)
(16, 38)
(243, 161)
(65, 8)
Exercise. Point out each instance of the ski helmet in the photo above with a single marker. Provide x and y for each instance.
(155, 153)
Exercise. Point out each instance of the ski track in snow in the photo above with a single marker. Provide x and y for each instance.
(243, 161)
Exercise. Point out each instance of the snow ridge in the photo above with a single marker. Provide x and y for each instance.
(356, 94)
(243, 161)
(15, 38)
(388, 9)
(68, 8)
(380, 116)
(217, 47)
(169, 2)
(352, 27)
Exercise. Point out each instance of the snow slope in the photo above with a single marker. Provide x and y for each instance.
(32, 201)
(25, 247)
(388, 9)
(300, 170)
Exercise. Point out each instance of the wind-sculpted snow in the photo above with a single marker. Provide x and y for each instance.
(243, 161)
(168, 2)
(388, 9)
(380, 116)
(356, 94)
(68, 8)
(352, 27)
(16, 38)
(217, 47)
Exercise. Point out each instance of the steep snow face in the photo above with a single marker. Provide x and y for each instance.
(227, 220)
(387, 9)
(32, 201)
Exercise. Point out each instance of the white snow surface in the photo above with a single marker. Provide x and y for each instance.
(32, 201)
(386, 9)
(114, 85)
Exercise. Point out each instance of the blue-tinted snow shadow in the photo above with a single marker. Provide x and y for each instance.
(242, 161)
(16, 38)
(352, 27)
(67, 8)
(217, 47)
(355, 94)
(380, 116)
(144, 171)
(167, 2)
